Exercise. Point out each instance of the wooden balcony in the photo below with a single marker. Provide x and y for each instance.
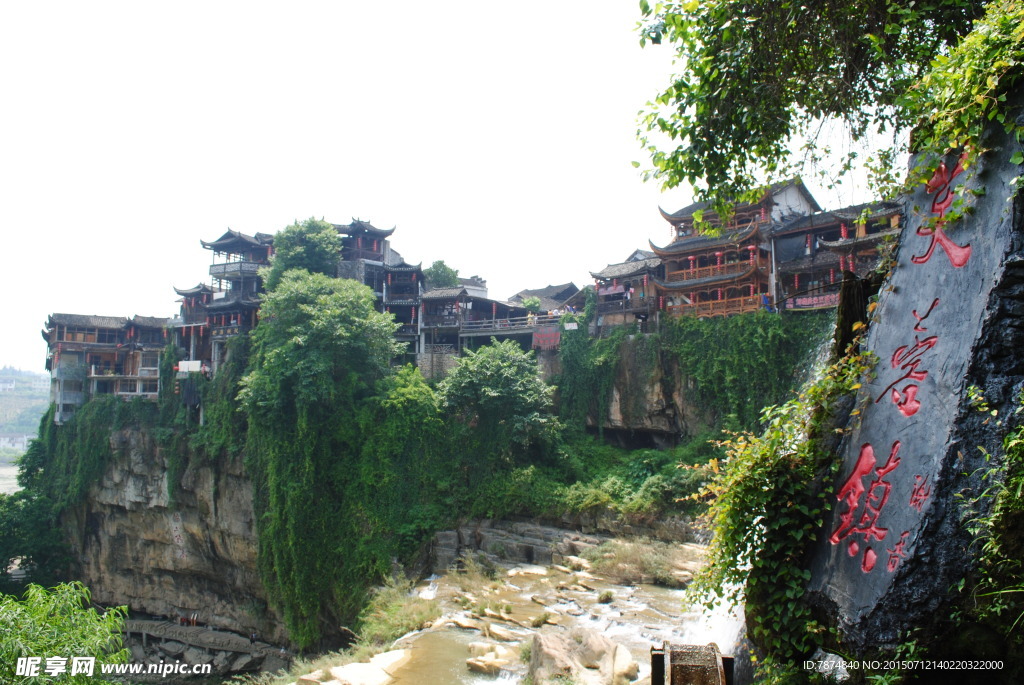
(736, 305)
(709, 271)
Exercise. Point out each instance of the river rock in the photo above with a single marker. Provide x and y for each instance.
(172, 647)
(360, 674)
(584, 656)
(487, 664)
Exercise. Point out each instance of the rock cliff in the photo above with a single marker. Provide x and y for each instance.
(195, 555)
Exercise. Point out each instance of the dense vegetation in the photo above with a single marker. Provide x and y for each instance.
(58, 623)
(355, 463)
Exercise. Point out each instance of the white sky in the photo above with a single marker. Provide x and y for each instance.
(495, 136)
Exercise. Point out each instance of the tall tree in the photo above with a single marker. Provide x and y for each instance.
(440, 275)
(319, 349)
(313, 245)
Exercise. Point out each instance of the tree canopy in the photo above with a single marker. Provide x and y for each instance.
(755, 74)
(58, 623)
(313, 245)
(440, 275)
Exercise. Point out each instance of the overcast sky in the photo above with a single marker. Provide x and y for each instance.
(495, 136)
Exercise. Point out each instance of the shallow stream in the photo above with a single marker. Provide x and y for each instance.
(638, 617)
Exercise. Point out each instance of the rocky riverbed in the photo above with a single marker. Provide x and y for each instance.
(532, 623)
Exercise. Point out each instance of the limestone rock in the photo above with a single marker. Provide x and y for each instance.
(585, 657)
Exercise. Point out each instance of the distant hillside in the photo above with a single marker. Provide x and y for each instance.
(24, 397)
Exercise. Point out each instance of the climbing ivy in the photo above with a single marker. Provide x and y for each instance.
(766, 505)
(732, 366)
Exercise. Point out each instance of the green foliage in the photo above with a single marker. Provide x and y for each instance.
(755, 74)
(734, 365)
(767, 505)
(224, 428)
(994, 594)
(500, 403)
(440, 275)
(58, 622)
(393, 611)
(589, 367)
(313, 245)
(532, 304)
(966, 88)
(739, 364)
(318, 351)
(30, 537)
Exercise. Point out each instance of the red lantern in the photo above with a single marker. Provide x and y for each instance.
(661, 303)
(843, 232)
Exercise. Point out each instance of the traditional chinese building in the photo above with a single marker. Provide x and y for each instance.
(229, 306)
(626, 291)
(102, 355)
(811, 253)
(727, 273)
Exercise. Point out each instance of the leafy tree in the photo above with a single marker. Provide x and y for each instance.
(318, 351)
(313, 245)
(31, 537)
(532, 304)
(495, 394)
(58, 623)
(440, 275)
(756, 73)
(320, 340)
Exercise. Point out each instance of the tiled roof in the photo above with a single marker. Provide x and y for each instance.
(688, 211)
(624, 269)
(358, 225)
(150, 321)
(87, 320)
(851, 214)
(705, 242)
(237, 239)
(443, 293)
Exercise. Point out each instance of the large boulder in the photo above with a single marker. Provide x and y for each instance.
(583, 656)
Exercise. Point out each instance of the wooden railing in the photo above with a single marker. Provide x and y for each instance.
(708, 271)
(736, 305)
(627, 306)
(523, 322)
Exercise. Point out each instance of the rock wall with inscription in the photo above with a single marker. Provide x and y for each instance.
(949, 324)
(195, 556)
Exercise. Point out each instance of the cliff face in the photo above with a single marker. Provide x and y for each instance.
(195, 556)
(653, 403)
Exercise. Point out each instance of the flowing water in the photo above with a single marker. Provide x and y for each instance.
(638, 617)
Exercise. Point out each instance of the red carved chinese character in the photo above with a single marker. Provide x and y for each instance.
(922, 490)
(941, 185)
(907, 358)
(898, 553)
(874, 496)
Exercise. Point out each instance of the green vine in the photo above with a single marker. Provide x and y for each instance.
(767, 504)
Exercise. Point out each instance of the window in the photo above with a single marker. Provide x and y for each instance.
(128, 387)
(150, 360)
(150, 387)
(107, 335)
(72, 386)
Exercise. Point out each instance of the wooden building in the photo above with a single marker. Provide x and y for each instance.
(626, 291)
(811, 253)
(89, 356)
